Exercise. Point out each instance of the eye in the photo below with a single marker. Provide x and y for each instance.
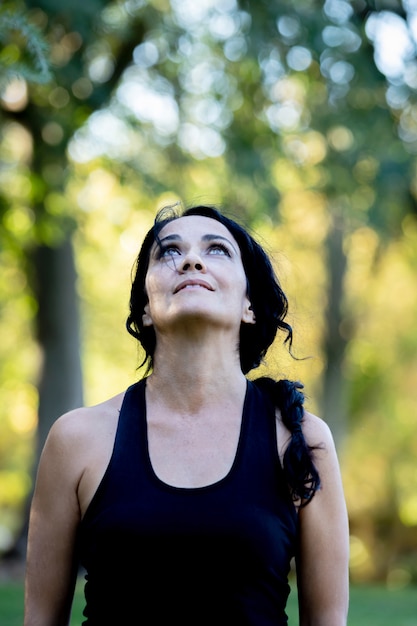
(169, 251)
(219, 248)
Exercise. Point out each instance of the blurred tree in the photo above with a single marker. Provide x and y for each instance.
(265, 92)
(24, 51)
(50, 114)
(282, 112)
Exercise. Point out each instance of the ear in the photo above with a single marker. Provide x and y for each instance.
(146, 317)
(248, 316)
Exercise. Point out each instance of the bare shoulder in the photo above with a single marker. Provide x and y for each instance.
(319, 436)
(78, 437)
(78, 449)
(74, 426)
(316, 431)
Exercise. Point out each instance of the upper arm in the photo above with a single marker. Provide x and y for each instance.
(54, 519)
(323, 561)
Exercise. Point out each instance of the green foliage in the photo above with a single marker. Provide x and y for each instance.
(24, 51)
(274, 110)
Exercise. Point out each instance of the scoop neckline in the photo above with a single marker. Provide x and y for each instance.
(209, 486)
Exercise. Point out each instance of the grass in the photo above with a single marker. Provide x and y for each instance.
(369, 606)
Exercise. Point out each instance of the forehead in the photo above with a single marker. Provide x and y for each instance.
(196, 227)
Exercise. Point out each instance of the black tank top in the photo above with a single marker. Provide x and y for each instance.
(157, 555)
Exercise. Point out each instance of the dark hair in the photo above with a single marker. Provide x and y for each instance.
(299, 469)
(268, 301)
(270, 307)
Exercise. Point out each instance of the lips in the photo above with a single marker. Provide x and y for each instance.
(193, 283)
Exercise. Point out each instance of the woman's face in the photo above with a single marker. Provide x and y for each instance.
(196, 276)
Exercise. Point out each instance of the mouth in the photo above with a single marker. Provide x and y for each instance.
(193, 284)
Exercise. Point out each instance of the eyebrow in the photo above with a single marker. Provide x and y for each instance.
(207, 237)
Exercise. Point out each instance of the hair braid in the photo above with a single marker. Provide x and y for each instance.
(300, 471)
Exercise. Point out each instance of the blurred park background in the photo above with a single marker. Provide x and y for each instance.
(297, 118)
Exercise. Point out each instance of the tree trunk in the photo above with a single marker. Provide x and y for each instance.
(58, 330)
(334, 400)
(60, 383)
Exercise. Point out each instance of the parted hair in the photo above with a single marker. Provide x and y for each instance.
(270, 307)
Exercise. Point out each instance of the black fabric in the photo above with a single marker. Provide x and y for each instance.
(157, 554)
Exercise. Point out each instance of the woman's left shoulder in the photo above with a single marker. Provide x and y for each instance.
(319, 437)
(315, 429)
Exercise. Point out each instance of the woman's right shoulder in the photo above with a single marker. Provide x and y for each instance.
(78, 441)
(78, 425)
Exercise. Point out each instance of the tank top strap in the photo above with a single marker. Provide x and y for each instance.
(132, 418)
(260, 448)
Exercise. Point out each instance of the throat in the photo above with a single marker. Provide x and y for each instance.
(195, 395)
(197, 355)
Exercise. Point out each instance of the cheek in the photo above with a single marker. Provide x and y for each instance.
(147, 317)
(242, 285)
(156, 289)
(151, 285)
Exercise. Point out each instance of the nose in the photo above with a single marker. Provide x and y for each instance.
(192, 261)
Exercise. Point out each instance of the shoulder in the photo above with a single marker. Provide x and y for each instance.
(74, 432)
(316, 431)
(317, 434)
(82, 419)
(319, 437)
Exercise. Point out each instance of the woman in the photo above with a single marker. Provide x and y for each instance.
(186, 498)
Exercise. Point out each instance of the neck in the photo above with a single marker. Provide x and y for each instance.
(188, 374)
